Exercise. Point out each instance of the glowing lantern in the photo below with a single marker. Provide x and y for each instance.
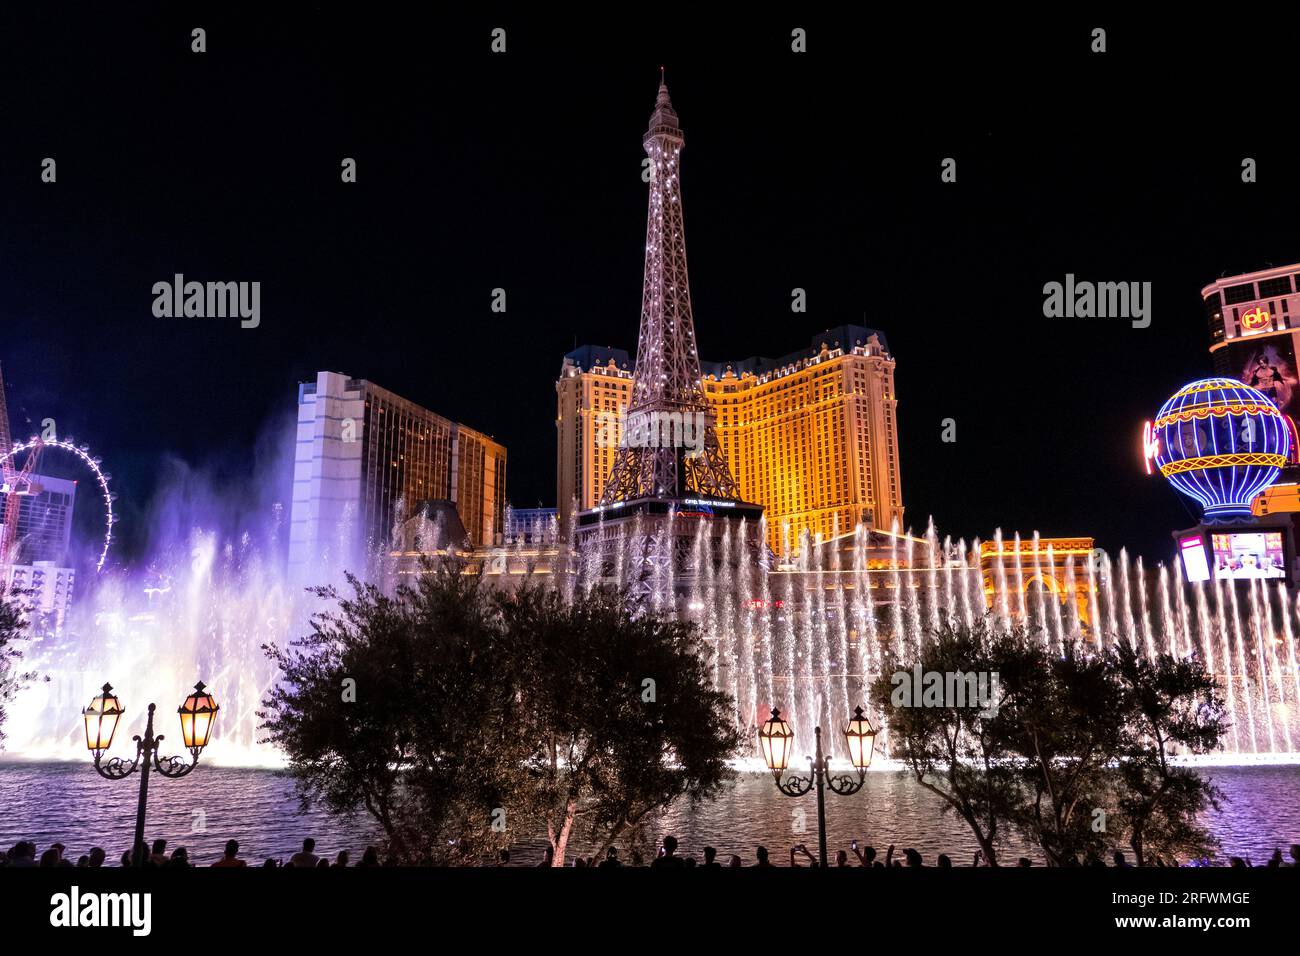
(776, 740)
(101, 719)
(197, 714)
(862, 739)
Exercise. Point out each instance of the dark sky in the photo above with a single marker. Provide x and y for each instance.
(522, 171)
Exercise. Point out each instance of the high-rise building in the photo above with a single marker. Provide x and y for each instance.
(1254, 323)
(44, 528)
(361, 450)
(811, 436)
(35, 533)
(592, 394)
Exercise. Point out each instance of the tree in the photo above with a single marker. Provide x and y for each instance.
(1066, 730)
(405, 706)
(457, 716)
(630, 718)
(958, 751)
(1175, 705)
(13, 633)
(1078, 737)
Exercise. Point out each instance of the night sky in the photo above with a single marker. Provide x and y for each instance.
(523, 171)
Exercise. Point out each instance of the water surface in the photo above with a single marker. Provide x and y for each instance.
(69, 803)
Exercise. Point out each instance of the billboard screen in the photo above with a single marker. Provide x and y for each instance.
(1269, 365)
(1249, 554)
(1195, 564)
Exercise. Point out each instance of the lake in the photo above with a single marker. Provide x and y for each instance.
(71, 804)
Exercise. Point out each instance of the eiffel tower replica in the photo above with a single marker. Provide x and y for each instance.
(669, 473)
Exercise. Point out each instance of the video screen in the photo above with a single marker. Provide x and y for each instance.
(1195, 565)
(1253, 554)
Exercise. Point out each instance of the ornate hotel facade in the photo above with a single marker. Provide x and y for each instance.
(811, 436)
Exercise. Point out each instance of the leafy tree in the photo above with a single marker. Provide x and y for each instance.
(1066, 731)
(479, 715)
(959, 752)
(13, 633)
(1075, 732)
(404, 706)
(1175, 705)
(630, 719)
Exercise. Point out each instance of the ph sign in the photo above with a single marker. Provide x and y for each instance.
(1256, 320)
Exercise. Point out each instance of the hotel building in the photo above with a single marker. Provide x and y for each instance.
(811, 436)
(1254, 319)
(42, 537)
(361, 449)
(44, 526)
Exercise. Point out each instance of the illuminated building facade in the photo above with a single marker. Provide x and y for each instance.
(46, 588)
(361, 450)
(1254, 324)
(44, 532)
(1031, 570)
(537, 526)
(592, 394)
(1254, 320)
(44, 526)
(811, 436)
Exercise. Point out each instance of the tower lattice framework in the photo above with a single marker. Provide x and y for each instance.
(666, 385)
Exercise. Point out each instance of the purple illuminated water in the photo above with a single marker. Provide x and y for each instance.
(69, 803)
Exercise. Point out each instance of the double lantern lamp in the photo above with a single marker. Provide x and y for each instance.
(197, 715)
(776, 743)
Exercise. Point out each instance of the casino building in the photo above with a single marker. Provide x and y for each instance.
(811, 436)
(363, 454)
(1254, 319)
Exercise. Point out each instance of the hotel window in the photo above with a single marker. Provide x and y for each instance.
(1239, 293)
(1272, 287)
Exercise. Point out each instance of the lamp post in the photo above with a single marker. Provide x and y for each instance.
(776, 740)
(197, 714)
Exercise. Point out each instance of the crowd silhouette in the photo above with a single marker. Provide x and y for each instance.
(25, 853)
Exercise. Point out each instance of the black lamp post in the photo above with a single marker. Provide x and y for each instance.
(776, 740)
(197, 715)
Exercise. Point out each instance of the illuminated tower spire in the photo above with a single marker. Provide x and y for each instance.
(5, 438)
(667, 392)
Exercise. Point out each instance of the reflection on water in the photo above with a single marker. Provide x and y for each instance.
(69, 803)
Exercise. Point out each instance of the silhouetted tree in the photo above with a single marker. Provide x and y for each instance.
(1066, 728)
(481, 716)
(1176, 707)
(959, 751)
(13, 633)
(1076, 755)
(630, 718)
(405, 707)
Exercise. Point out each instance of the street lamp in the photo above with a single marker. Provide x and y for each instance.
(197, 714)
(775, 740)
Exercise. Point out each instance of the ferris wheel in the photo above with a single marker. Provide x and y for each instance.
(18, 479)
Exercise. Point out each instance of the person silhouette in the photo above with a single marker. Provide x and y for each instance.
(668, 858)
